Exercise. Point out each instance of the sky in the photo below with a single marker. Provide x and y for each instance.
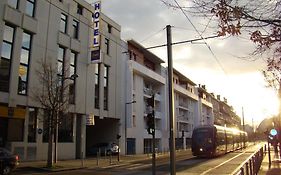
(220, 65)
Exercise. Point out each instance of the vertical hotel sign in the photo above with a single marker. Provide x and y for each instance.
(95, 45)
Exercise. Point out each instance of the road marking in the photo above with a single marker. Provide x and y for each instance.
(207, 171)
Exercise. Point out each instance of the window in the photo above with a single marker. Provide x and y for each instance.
(13, 3)
(105, 85)
(63, 23)
(65, 132)
(97, 89)
(107, 46)
(60, 68)
(73, 59)
(30, 7)
(46, 122)
(32, 124)
(24, 63)
(6, 57)
(60, 63)
(75, 27)
(15, 130)
(79, 9)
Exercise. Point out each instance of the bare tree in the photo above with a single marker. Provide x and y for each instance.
(52, 95)
(259, 19)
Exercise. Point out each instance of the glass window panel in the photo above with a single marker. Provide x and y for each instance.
(60, 68)
(13, 3)
(6, 50)
(61, 54)
(72, 58)
(26, 40)
(105, 71)
(72, 70)
(8, 34)
(63, 23)
(23, 72)
(22, 88)
(4, 74)
(32, 125)
(24, 56)
(29, 10)
(105, 82)
(97, 68)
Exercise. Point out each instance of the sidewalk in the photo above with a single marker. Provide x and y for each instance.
(64, 165)
(271, 169)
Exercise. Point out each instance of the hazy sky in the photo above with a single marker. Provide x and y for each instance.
(224, 73)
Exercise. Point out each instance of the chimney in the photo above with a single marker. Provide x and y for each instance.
(218, 97)
(224, 99)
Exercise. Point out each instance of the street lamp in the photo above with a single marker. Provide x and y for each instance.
(126, 124)
(72, 77)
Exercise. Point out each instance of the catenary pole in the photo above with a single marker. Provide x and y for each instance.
(171, 101)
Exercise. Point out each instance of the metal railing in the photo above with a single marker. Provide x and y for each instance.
(252, 165)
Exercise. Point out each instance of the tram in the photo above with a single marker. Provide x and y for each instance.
(214, 140)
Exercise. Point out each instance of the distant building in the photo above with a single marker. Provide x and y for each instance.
(186, 108)
(206, 116)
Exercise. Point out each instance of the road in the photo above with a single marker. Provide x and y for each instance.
(186, 164)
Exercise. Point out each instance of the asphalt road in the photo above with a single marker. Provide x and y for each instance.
(186, 164)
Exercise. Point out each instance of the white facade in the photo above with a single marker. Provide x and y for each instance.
(142, 82)
(186, 108)
(51, 27)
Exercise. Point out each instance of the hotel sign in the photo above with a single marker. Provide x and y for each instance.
(95, 45)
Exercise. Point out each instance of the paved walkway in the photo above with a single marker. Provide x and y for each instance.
(273, 168)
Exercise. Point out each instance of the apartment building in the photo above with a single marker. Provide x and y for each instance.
(205, 107)
(145, 77)
(60, 33)
(186, 108)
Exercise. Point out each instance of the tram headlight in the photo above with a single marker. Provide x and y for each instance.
(201, 149)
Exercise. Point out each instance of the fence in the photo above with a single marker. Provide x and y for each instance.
(252, 165)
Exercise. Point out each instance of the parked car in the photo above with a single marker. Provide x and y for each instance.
(104, 149)
(8, 161)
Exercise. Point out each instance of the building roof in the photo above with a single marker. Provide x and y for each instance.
(152, 57)
(183, 77)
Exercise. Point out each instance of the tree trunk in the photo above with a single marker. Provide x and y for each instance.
(50, 160)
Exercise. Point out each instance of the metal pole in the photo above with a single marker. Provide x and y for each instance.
(243, 127)
(171, 101)
(153, 148)
(125, 128)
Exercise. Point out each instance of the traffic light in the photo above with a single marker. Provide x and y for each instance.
(150, 101)
(150, 123)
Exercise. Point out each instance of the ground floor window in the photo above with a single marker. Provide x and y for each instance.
(65, 133)
(147, 145)
(65, 127)
(15, 130)
(32, 124)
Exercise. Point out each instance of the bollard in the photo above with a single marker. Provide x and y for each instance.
(1, 167)
(247, 168)
(98, 155)
(269, 157)
(110, 158)
(251, 167)
(118, 156)
(242, 171)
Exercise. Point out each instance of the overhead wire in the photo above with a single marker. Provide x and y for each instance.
(208, 46)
